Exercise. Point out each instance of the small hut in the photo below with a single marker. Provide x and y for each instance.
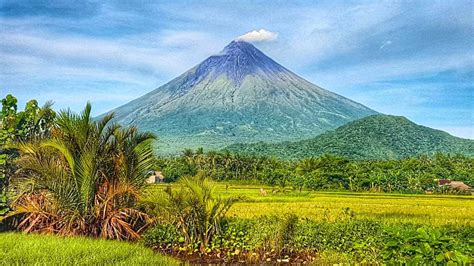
(155, 177)
(458, 185)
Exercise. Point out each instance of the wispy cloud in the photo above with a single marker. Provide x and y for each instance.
(386, 43)
(258, 36)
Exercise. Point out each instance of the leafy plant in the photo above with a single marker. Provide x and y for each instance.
(425, 246)
(234, 236)
(85, 180)
(163, 236)
(33, 123)
(194, 209)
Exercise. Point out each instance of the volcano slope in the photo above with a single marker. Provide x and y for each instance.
(237, 96)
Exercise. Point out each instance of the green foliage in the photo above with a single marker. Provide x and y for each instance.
(33, 123)
(376, 137)
(163, 236)
(194, 209)
(410, 175)
(235, 236)
(426, 246)
(7, 130)
(84, 180)
(358, 239)
(32, 249)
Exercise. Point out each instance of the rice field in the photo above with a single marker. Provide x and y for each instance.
(384, 207)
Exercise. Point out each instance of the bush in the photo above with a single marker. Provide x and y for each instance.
(85, 180)
(426, 246)
(348, 240)
(235, 236)
(194, 209)
(359, 238)
(163, 236)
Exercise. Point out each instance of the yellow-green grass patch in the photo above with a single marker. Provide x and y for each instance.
(384, 207)
(28, 249)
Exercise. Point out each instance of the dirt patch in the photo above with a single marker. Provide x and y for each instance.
(260, 257)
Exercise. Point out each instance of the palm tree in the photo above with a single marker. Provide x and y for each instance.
(194, 209)
(85, 180)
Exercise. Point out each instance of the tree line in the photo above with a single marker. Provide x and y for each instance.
(410, 175)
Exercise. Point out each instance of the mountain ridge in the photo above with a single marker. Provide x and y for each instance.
(373, 137)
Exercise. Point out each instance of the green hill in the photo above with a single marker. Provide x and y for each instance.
(372, 137)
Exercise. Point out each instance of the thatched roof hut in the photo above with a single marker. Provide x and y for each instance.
(459, 185)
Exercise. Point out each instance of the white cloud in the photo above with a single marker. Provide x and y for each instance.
(258, 36)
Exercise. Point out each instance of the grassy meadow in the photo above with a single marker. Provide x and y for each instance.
(385, 207)
(29, 249)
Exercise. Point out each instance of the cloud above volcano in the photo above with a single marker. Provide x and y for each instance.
(258, 36)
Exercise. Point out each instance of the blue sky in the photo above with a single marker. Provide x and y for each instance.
(414, 58)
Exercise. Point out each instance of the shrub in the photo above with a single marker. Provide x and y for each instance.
(425, 246)
(194, 209)
(234, 236)
(163, 236)
(345, 241)
(359, 238)
(85, 180)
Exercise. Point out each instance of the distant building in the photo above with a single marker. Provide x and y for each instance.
(459, 185)
(442, 182)
(155, 177)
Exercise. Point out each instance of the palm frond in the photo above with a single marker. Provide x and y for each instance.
(85, 180)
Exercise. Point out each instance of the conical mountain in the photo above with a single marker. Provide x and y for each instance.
(237, 96)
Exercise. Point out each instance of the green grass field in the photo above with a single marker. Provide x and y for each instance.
(388, 208)
(28, 249)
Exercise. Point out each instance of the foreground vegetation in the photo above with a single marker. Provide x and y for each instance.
(81, 177)
(331, 227)
(347, 240)
(28, 249)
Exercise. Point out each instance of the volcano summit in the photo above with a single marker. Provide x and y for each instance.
(237, 96)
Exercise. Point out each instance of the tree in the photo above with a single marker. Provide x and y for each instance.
(85, 180)
(298, 181)
(194, 209)
(32, 123)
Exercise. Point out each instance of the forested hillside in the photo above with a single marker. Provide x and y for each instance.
(373, 137)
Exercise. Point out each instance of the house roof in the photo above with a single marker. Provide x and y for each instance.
(459, 185)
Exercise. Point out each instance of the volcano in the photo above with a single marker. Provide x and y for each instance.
(237, 96)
